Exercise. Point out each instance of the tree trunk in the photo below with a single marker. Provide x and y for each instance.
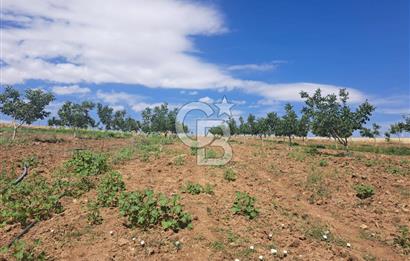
(14, 132)
(290, 140)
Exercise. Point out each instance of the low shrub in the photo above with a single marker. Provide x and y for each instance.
(245, 205)
(109, 189)
(87, 163)
(24, 252)
(147, 209)
(195, 188)
(93, 213)
(229, 174)
(364, 191)
(32, 199)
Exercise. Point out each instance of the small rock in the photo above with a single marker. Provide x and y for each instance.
(363, 226)
(111, 232)
(251, 247)
(348, 245)
(273, 251)
(260, 257)
(285, 252)
(142, 243)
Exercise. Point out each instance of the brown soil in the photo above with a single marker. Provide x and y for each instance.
(279, 179)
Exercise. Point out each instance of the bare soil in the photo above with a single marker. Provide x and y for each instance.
(295, 195)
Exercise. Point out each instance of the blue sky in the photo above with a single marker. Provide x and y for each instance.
(260, 54)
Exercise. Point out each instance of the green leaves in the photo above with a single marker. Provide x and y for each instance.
(74, 115)
(146, 209)
(245, 205)
(33, 199)
(334, 118)
(109, 189)
(364, 191)
(24, 110)
(87, 163)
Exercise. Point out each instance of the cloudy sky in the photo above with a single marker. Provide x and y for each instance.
(131, 54)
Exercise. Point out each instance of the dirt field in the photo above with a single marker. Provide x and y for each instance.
(306, 201)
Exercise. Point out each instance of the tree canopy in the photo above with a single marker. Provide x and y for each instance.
(24, 110)
(332, 117)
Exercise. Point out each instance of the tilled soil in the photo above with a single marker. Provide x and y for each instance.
(292, 201)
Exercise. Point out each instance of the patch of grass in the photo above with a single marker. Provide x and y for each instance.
(402, 238)
(244, 204)
(312, 151)
(109, 189)
(151, 146)
(29, 161)
(210, 154)
(397, 170)
(364, 191)
(297, 155)
(124, 154)
(195, 188)
(229, 174)
(315, 183)
(323, 163)
(217, 245)
(320, 232)
(179, 160)
(146, 209)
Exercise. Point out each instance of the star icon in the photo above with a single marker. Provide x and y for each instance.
(224, 107)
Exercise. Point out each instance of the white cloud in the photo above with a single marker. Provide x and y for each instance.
(262, 67)
(290, 91)
(188, 92)
(138, 107)
(138, 42)
(114, 98)
(397, 111)
(117, 107)
(206, 99)
(128, 41)
(68, 90)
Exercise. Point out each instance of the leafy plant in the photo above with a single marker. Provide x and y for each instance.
(87, 163)
(208, 189)
(179, 160)
(364, 191)
(109, 189)
(323, 163)
(146, 209)
(229, 174)
(93, 213)
(245, 205)
(23, 252)
(193, 188)
(33, 199)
